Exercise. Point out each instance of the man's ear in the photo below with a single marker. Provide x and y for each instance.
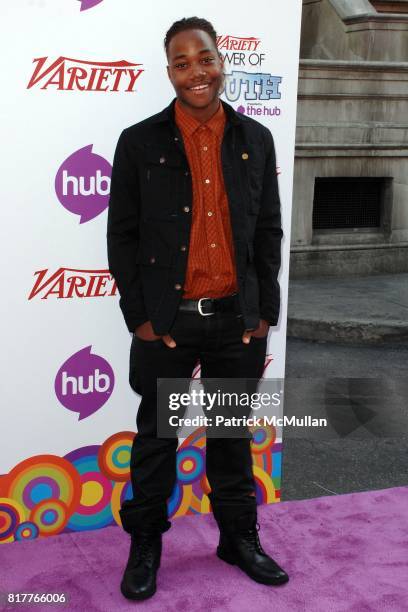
(168, 72)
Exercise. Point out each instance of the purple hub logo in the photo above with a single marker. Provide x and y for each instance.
(84, 383)
(82, 183)
(249, 109)
(88, 4)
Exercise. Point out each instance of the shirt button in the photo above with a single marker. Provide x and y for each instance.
(186, 209)
(205, 148)
(183, 248)
(152, 260)
(213, 245)
(162, 160)
(207, 181)
(209, 213)
(177, 286)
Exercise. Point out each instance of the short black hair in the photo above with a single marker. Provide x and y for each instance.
(190, 23)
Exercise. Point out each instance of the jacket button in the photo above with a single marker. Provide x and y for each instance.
(245, 156)
(152, 260)
(177, 286)
(183, 248)
(162, 160)
(187, 173)
(186, 209)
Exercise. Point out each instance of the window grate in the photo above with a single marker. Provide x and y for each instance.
(346, 203)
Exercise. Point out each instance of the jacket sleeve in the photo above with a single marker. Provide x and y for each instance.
(123, 234)
(268, 237)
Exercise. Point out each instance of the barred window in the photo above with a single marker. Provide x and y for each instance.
(348, 202)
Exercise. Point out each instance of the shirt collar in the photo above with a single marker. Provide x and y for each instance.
(189, 124)
(167, 114)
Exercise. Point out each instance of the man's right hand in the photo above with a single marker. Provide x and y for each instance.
(145, 332)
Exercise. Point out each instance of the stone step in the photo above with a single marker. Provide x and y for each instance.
(360, 310)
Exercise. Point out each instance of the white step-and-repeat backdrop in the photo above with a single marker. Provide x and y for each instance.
(75, 73)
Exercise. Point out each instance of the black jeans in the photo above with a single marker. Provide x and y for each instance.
(215, 340)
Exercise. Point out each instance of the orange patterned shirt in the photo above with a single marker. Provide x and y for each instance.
(211, 268)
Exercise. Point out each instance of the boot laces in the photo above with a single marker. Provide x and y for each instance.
(251, 537)
(143, 546)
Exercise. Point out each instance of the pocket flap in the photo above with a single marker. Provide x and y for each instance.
(162, 156)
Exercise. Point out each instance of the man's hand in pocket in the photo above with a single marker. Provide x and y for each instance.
(260, 332)
(145, 332)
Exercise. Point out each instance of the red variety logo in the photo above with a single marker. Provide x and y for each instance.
(67, 74)
(235, 43)
(80, 284)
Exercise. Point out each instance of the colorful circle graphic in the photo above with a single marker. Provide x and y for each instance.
(44, 477)
(85, 490)
(196, 438)
(174, 501)
(114, 456)
(265, 491)
(204, 484)
(180, 501)
(200, 487)
(11, 515)
(263, 437)
(121, 491)
(190, 464)
(205, 507)
(50, 516)
(26, 531)
(94, 507)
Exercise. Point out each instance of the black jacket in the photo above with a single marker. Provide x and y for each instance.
(150, 210)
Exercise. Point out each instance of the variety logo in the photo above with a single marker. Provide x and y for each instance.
(88, 4)
(253, 86)
(84, 383)
(235, 43)
(82, 183)
(71, 283)
(234, 50)
(67, 74)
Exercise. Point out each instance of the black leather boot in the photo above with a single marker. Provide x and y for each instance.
(139, 579)
(239, 545)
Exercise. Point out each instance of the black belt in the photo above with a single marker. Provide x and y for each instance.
(208, 306)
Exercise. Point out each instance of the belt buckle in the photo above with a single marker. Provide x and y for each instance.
(204, 314)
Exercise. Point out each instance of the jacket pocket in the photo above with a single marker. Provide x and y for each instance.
(155, 260)
(162, 182)
(154, 255)
(251, 170)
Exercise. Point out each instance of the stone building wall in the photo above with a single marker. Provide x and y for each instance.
(352, 122)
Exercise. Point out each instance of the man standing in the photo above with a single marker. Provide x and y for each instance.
(194, 236)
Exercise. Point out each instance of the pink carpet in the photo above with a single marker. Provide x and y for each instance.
(343, 553)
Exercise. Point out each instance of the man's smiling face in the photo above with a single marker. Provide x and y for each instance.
(195, 69)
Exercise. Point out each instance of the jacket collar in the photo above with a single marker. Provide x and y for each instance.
(167, 114)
